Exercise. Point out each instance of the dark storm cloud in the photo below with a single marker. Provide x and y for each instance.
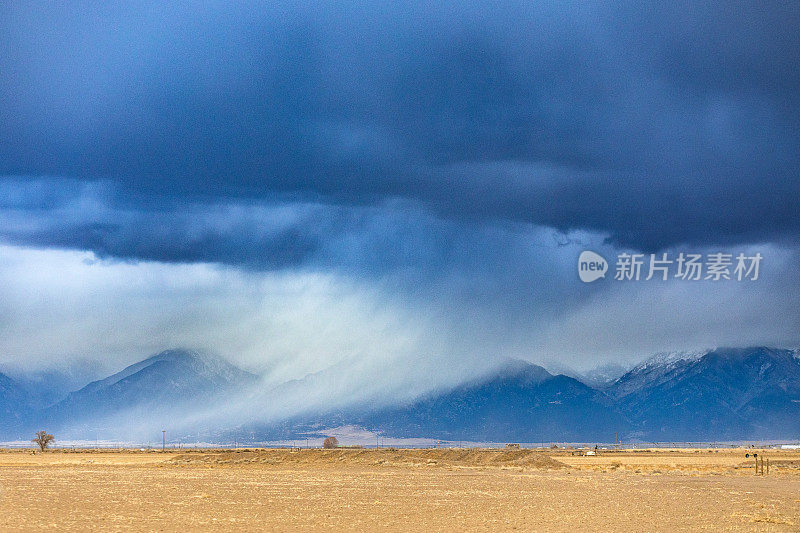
(83, 217)
(654, 124)
(393, 237)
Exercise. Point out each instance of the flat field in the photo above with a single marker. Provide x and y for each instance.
(399, 490)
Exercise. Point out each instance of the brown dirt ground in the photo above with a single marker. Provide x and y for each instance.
(399, 490)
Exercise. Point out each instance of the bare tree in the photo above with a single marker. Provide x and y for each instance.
(43, 439)
(331, 442)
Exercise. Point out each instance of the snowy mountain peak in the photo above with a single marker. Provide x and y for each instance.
(671, 359)
(654, 369)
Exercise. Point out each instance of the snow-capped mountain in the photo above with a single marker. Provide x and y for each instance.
(725, 393)
(654, 369)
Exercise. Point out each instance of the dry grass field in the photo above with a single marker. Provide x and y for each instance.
(398, 490)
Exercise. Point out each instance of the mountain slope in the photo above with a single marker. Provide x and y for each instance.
(524, 403)
(521, 402)
(726, 393)
(44, 387)
(161, 386)
(14, 406)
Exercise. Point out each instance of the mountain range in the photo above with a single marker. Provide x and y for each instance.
(721, 394)
(522, 402)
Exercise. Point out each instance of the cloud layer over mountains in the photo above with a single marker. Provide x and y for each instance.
(396, 187)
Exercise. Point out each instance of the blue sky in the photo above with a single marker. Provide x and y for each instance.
(403, 187)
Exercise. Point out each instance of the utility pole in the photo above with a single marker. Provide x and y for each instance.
(163, 439)
(377, 443)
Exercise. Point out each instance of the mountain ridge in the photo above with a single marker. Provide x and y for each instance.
(161, 386)
(724, 393)
(715, 394)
